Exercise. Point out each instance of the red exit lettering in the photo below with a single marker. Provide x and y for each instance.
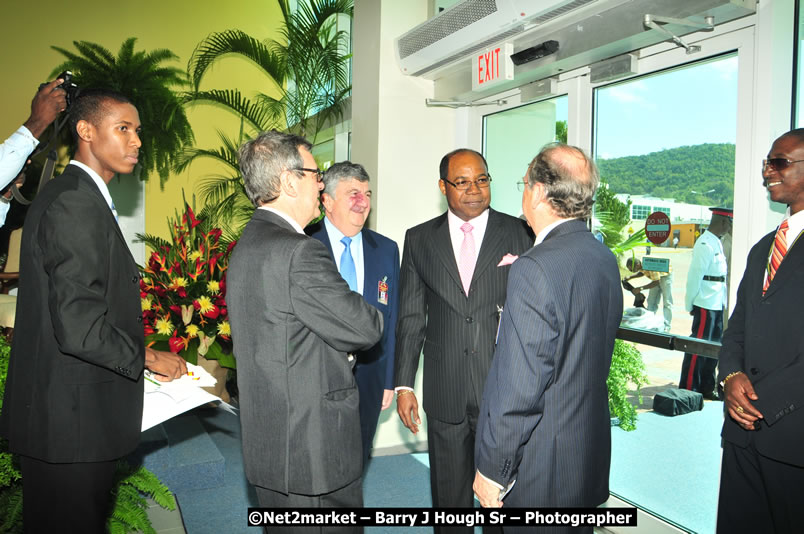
(488, 66)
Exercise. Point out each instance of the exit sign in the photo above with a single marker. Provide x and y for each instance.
(492, 66)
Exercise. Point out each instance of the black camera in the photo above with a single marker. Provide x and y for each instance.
(68, 85)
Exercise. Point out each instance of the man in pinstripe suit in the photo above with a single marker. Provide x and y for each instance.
(544, 420)
(452, 287)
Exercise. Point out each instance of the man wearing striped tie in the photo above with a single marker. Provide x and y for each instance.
(762, 367)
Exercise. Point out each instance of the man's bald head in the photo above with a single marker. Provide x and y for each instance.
(570, 179)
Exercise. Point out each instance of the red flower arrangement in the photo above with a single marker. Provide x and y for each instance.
(183, 291)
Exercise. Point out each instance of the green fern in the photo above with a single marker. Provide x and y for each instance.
(153, 87)
(131, 485)
(129, 513)
(11, 509)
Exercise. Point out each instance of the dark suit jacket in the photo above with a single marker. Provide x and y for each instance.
(544, 420)
(457, 331)
(75, 390)
(380, 264)
(294, 320)
(764, 340)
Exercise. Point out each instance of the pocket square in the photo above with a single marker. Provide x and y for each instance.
(508, 259)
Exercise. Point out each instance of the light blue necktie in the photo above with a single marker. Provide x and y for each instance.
(114, 212)
(348, 271)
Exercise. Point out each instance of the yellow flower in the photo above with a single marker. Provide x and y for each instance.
(205, 304)
(179, 281)
(194, 255)
(191, 330)
(146, 304)
(164, 326)
(224, 329)
(213, 286)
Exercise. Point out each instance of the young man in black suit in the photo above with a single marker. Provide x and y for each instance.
(74, 393)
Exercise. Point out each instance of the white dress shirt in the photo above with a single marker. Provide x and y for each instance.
(707, 260)
(547, 229)
(104, 189)
(13, 154)
(285, 216)
(456, 235)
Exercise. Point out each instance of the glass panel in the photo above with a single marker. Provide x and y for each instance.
(799, 76)
(324, 154)
(666, 143)
(508, 151)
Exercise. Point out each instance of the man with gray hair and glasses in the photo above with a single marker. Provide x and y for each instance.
(294, 324)
(369, 262)
(544, 420)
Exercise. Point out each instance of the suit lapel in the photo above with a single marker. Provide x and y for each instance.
(323, 236)
(442, 244)
(790, 266)
(371, 273)
(90, 184)
(492, 247)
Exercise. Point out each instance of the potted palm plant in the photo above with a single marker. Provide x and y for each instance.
(155, 89)
(307, 91)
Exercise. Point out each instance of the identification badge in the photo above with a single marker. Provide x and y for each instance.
(382, 291)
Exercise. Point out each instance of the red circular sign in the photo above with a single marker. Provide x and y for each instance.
(657, 227)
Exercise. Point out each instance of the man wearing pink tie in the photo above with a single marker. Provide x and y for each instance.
(452, 289)
(761, 367)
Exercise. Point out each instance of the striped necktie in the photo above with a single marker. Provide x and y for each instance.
(777, 253)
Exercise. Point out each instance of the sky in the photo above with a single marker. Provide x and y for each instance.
(683, 106)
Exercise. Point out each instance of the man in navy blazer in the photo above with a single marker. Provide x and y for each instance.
(544, 419)
(761, 367)
(372, 267)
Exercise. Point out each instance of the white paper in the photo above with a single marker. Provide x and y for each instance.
(164, 400)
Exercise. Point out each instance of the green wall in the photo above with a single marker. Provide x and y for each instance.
(31, 28)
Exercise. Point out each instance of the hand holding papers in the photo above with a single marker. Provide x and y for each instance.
(164, 400)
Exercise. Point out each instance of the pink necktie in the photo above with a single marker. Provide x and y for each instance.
(466, 266)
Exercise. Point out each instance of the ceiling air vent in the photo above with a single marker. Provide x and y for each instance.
(471, 26)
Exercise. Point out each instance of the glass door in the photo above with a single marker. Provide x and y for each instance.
(511, 138)
(671, 141)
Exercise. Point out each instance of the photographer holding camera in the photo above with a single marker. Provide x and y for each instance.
(49, 101)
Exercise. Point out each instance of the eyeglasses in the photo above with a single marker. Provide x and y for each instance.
(520, 186)
(319, 174)
(778, 164)
(463, 185)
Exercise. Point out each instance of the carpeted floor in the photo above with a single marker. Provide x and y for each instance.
(668, 466)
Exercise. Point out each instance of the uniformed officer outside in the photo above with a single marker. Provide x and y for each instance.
(706, 299)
